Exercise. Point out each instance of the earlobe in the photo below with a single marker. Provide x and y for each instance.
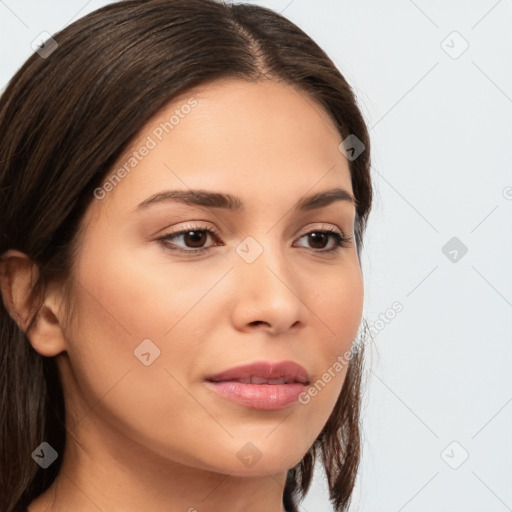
(18, 276)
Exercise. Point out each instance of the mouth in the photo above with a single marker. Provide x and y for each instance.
(264, 372)
(260, 380)
(262, 385)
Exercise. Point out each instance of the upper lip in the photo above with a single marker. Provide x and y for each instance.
(266, 370)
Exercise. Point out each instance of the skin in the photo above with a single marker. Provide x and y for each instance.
(154, 437)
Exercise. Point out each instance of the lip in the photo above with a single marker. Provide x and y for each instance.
(264, 370)
(261, 385)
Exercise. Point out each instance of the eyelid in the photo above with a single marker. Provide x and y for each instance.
(197, 227)
(193, 226)
(320, 226)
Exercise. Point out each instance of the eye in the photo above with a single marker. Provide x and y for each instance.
(195, 236)
(322, 236)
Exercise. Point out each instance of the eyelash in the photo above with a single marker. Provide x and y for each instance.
(341, 240)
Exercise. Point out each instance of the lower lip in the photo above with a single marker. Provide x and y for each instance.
(266, 397)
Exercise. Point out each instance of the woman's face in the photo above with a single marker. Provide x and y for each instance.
(154, 319)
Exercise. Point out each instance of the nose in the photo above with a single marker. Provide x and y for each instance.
(268, 293)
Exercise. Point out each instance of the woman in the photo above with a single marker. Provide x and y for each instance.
(185, 187)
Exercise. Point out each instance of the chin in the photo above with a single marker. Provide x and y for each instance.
(256, 457)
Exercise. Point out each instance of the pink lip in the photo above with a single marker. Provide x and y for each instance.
(264, 396)
(264, 369)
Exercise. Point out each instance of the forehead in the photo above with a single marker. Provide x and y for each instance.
(261, 138)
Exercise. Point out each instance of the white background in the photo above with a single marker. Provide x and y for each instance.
(441, 129)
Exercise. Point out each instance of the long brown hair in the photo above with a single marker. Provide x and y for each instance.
(66, 117)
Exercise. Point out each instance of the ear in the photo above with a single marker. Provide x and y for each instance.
(18, 275)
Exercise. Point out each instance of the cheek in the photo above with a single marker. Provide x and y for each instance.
(336, 308)
(122, 301)
(148, 403)
(148, 293)
(337, 311)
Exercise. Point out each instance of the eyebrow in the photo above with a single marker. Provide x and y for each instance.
(233, 203)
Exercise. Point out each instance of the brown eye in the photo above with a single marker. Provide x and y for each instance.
(191, 240)
(318, 239)
(196, 238)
